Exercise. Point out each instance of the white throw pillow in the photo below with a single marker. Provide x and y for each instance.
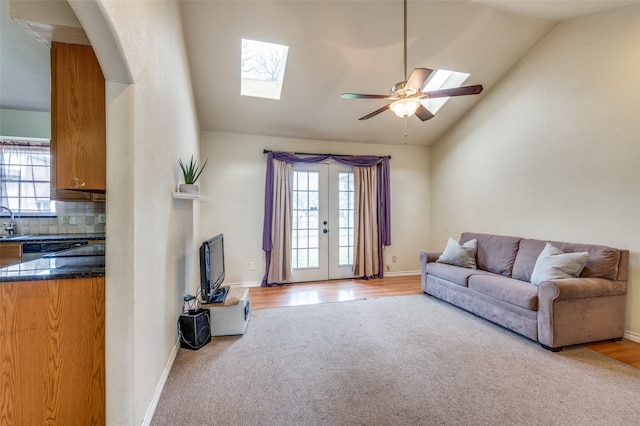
(460, 255)
(553, 264)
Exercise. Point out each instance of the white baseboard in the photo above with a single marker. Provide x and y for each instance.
(634, 337)
(402, 274)
(246, 284)
(386, 274)
(146, 421)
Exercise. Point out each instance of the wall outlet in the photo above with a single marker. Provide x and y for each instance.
(252, 266)
(393, 259)
(73, 220)
(65, 220)
(102, 218)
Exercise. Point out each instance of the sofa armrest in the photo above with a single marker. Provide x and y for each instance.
(577, 288)
(428, 257)
(580, 310)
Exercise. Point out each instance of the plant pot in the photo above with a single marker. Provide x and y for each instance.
(189, 188)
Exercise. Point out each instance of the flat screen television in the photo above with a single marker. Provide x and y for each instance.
(212, 270)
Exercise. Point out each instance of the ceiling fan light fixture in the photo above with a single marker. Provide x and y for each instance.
(404, 108)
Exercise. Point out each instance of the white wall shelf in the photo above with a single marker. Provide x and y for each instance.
(189, 196)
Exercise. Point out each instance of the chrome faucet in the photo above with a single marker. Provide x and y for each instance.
(11, 226)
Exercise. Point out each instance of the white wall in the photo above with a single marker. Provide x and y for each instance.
(150, 236)
(234, 182)
(552, 152)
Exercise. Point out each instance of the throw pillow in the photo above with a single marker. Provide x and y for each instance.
(460, 255)
(553, 264)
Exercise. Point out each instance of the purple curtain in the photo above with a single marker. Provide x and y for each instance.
(384, 198)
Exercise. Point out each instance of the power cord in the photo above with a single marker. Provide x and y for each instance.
(193, 304)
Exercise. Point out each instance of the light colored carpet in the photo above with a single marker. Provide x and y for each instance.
(403, 360)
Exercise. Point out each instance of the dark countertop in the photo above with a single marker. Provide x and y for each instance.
(82, 262)
(88, 250)
(50, 237)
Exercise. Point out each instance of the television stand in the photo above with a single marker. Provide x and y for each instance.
(232, 316)
(220, 295)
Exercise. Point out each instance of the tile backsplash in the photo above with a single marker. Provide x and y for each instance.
(72, 218)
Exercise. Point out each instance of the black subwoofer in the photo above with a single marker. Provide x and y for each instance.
(194, 329)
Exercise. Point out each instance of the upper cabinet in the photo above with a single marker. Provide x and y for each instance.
(78, 123)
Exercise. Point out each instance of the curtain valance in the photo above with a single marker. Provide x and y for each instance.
(25, 142)
(351, 160)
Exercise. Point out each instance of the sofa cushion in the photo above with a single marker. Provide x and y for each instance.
(496, 253)
(527, 256)
(553, 264)
(508, 290)
(603, 261)
(460, 255)
(455, 274)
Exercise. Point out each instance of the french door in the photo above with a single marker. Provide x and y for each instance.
(322, 225)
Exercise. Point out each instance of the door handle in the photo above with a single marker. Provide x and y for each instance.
(325, 222)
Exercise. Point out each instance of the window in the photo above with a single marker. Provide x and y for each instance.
(262, 69)
(442, 79)
(345, 218)
(305, 233)
(25, 176)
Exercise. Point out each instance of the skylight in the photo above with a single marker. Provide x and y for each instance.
(262, 69)
(442, 79)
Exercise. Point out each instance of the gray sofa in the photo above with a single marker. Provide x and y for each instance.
(556, 313)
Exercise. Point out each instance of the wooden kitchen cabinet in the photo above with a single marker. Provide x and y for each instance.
(78, 123)
(52, 352)
(10, 254)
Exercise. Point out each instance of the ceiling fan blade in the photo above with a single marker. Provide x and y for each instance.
(361, 96)
(417, 78)
(376, 112)
(455, 91)
(423, 113)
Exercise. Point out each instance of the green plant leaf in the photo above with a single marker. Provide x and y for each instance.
(191, 171)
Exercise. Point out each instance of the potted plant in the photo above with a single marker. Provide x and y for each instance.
(191, 173)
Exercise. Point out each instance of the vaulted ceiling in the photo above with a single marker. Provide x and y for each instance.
(334, 47)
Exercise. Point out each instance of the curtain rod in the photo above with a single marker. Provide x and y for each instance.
(266, 151)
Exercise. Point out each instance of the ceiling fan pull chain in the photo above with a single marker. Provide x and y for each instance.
(405, 130)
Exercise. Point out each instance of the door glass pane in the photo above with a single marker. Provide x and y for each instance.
(314, 221)
(344, 256)
(314, 257)
(303, 200)
(345, 218)
(314, 182)
(306, 224)
(313, 238)
(314, 203)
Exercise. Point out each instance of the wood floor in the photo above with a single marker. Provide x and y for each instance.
(312, 293)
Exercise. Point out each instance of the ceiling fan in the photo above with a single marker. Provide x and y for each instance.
(406, 95)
